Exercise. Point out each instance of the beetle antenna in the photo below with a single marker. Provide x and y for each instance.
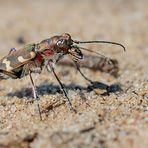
(100, 42)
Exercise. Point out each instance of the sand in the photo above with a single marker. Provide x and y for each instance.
(117, 119)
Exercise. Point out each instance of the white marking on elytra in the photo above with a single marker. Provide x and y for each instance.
(33, 54)
(7, 63)
(21, 59)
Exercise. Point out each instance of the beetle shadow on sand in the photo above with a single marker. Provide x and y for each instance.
(47, 89)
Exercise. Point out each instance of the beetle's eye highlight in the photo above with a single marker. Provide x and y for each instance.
(61, 43)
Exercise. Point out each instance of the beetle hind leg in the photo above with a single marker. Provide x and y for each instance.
(12, 50)
(36, 97)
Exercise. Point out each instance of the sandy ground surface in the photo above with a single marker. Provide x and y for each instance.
(119, 119)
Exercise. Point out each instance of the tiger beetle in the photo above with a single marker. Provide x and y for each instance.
(32, 57)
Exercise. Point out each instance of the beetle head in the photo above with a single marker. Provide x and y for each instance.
(65, 43)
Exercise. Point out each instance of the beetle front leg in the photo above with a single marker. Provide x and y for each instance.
(36, 97)
(51, 68)
(79, 70)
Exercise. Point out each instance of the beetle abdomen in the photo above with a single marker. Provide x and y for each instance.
(18, 58)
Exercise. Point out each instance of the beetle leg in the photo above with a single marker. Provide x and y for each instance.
(31, 66)
(51, 68)
(12, 50)
(104, 86)
(7, 73)
(79, 70)
(35, 94)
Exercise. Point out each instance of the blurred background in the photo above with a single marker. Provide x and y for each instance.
(123, 21)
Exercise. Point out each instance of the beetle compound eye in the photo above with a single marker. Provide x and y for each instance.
(61, 43)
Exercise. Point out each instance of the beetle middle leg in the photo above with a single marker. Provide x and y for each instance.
(51, 68)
